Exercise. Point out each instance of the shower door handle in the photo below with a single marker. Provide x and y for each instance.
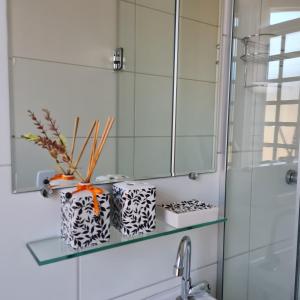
(291, 176)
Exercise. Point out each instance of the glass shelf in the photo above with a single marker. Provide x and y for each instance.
(51, 250)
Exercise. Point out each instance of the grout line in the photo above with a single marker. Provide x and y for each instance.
(142, 136)
(197, 80)
(151, 74)
(155, 9)
(61, 62)
(258, 248)
(198, 21)
(108, 69)
(5, 165)
(171, 77)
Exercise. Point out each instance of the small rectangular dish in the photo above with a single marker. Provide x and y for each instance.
(186, 213)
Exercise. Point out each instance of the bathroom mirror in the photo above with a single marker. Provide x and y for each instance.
(163, 95)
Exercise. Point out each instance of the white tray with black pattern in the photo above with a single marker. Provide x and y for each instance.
(186, 213)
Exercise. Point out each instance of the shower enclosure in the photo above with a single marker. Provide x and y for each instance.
(262, 201)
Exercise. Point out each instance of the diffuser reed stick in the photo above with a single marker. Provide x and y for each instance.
(84, 146)
(76, 125)
(97, 149)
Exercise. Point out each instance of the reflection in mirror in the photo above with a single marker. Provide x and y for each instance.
(197, 85)
(62, 59)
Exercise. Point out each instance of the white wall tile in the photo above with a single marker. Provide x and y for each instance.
(242, 113)
(207, 273)
(273, 205)
(248, 16)
(27, 217)
(150, 157)
(125, 104)
(84, 35)
(165, 5)
(148, 262)
(154, 42)
(201, 10)
(66, 90)
(195, 108)
(197, 50)
(236, 278)
(125, 156)
(153, 105)
(4, 91)
(271, 267)
(126, 33)
(238, 209)
(194, 154)
(182, 188)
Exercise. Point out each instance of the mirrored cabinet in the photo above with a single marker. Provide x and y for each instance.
(64, 56)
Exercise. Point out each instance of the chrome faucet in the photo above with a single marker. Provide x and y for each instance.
(182, 268)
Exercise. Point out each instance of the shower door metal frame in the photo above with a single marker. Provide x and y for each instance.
(296, 286)
(227, 22)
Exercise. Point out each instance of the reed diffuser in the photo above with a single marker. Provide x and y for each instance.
(86, 210)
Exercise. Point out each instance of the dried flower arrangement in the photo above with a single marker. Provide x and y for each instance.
(51, 139)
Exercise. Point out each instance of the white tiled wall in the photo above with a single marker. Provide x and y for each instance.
(25, 217)
(82, 32)
(73, 89)
(154, 41)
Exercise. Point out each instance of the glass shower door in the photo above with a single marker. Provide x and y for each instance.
(261, 197)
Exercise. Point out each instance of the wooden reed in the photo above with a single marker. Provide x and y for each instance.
(75, 130)
(93, 147)
(84, 145)
(97, 149)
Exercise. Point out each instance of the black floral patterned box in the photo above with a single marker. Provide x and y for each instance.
(133, 207)
(187, 213)
(80, 226)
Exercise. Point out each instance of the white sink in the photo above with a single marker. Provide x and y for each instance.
(172, 294)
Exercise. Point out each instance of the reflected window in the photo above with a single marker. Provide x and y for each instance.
(288, 113)
(291, 67)
(270, 113)
(275, 45)
(290, 90)
(272, 91)
(269, 132)
(283, 16)
(286, 135)
(267, 154)
(292, 43)
(273, 69)
(282, 95)
(283, 153)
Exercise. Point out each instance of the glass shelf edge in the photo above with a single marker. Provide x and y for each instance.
(105, 247)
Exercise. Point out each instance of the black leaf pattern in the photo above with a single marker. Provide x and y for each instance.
(133, 210)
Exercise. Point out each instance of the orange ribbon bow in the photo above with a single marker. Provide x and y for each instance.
(63, 177)
(95, 191)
